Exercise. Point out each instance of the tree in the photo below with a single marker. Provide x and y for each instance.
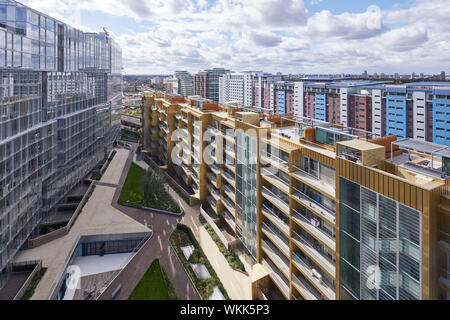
(152, 184)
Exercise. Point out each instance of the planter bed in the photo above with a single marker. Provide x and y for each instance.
(229, 254)
(132, 194)
(183, 237)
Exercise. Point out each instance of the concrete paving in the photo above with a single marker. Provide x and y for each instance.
(237, 284)
(115, 168)
(97, 217)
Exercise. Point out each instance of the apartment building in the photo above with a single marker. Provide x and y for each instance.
(185, 83)
(171, 85)
(412, 110)
(201, 84)
(236, 87)
(262, 92)
(282, 97)
(320, 211)
(61, 93)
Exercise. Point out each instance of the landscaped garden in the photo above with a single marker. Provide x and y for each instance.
(34, 282)
(229, 254)
(146, 189)
(170, 183)
(154, 285)
(130, 135)
(183, 238)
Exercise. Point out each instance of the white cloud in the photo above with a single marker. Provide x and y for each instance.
(272, 35)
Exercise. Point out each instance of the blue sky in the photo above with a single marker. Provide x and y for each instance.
(291, 36)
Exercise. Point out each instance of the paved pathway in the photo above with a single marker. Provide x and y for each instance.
(237, 284)
(159, 248)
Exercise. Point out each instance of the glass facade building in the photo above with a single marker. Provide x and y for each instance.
(380, 246)
(247, 191)
(61, 94)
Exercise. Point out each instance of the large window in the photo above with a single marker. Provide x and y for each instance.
(378, 234)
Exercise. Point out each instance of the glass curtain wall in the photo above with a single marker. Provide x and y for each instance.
(247, 191)
(380, 246)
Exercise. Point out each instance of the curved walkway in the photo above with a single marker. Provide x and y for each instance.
(163, 226)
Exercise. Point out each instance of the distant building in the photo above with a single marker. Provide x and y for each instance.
(236, 87)
(185, 83)
(412, 110)
(206, 83)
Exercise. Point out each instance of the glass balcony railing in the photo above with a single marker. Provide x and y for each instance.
(282, 204)
(316, 277)
(275, 219)
(315, 182)
(276, 237)
(229, 192)
(229, 178)
(214, 193)
(315, 206)
(276, 256)
(312, 226)
(315, 252)
(229, 218)
(305, 289)
(215, 168)
(274, 160)
(229, 205)
(212, 178)
(280, 183)
(277, 276)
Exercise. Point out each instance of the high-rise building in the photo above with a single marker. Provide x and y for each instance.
(171, 85)
(412, 110)
(185, 83)
(207, 83)
(61, 93)
(262, 92)
(201, 84)
(236, 87)
(321, 211)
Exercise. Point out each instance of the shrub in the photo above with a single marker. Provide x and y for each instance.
(183, 236)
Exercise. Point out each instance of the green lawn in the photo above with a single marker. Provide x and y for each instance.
(131, 191)
(132, 194)
(153, 285)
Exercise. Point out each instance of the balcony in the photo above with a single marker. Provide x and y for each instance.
(310, 227)
(215, 169)
(213, 203)
(275, 161)
(275, 180)
(230, 167)
(315, 183)
(275, 200)
(229, 178)
(276, 238)
(184, 119)
(275, 220)
(229, 192)
(213, 179)
(319, 258)
(304, 288)
(196, 189)
(276, 256)
(229, 205)
(277, 276)
(214, 193)
(185, 178)
(186, 170)
(229, 218)
(316, 207)
(315, 277)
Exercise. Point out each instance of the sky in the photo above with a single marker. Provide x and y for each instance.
(288, 36)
